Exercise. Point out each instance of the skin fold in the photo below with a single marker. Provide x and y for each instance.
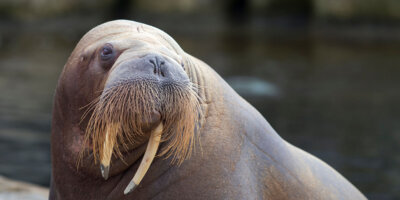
(214, 145)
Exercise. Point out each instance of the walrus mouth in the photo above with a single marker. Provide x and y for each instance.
(124, 112)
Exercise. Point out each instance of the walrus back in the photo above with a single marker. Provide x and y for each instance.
(280, 170)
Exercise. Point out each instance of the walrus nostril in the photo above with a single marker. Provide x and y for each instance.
(157, 63)
(162, 62)
(154, 66)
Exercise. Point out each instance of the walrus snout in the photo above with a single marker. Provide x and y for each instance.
(140, 98)
(139, 81)
(150, 67)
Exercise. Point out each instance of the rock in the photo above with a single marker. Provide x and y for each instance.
(15, 190)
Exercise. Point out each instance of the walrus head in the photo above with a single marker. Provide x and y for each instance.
(131, 85)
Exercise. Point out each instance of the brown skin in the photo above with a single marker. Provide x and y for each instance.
(238, 155)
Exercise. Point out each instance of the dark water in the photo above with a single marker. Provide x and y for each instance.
(337, 99)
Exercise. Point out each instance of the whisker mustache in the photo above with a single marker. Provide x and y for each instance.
(130, 105)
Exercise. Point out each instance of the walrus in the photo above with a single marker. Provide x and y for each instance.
(136, 117)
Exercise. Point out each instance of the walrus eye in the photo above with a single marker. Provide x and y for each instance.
(107, 52)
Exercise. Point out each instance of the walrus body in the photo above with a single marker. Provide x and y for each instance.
(238, 155)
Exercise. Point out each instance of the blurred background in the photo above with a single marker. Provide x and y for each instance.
(324, 73)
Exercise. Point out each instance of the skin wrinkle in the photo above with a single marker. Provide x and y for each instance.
(272, 158)
(123, 174)
(194, 72)
(159, 176)
(167, 39)
(249, 173)
(177, 180)
(166, 188)
(149, 39)
(142, 53)
(275, 187)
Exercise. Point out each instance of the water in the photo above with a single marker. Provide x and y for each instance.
(336, 99)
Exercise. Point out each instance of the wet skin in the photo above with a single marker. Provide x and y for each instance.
(238, 156)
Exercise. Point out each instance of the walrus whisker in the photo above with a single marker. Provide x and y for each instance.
(117, 117)
(88, 108)
(148, 157)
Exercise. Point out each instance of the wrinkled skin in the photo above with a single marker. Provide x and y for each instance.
(238, 156)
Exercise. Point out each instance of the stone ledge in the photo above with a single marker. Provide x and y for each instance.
(16, 190)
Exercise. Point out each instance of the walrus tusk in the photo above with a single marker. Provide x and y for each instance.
(148, 157)
(105, 160)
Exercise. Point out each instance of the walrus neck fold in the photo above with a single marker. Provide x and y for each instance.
(194, 71)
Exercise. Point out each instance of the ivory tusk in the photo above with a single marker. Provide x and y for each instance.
(148, 157)
(105, 159)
